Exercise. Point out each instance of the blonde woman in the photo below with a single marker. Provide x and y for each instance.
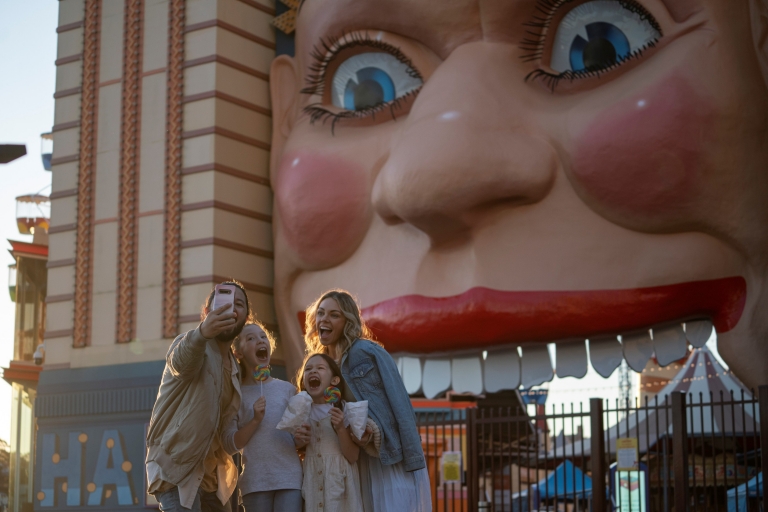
(394, 477)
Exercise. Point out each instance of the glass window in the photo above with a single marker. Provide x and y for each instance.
(23, 428)
(31, 281)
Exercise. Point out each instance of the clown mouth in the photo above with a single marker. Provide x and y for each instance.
(488, 340)
(314, 383)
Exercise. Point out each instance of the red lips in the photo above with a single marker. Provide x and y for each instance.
(481, 317)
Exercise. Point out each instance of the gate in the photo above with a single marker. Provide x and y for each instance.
(689, 453)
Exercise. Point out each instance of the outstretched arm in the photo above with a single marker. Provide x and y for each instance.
(187, 352)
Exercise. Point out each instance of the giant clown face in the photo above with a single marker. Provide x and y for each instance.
(493, 174)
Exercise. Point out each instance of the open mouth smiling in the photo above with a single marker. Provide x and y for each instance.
(314, 383)
(262, 354)
(442, 339)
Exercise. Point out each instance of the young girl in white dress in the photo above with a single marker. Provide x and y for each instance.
(331, 478)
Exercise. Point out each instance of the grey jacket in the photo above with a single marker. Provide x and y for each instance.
(186, 413)
(371, 374)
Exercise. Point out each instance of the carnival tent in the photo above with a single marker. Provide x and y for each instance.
(566, 481)
(737, 497)
(704, 381)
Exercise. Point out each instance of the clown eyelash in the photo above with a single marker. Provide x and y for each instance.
(535, 40)
(323, 55)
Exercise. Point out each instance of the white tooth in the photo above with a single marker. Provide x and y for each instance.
(437, 377)
(571, 359)
(536, 365)
(410, 370)
(638, 349)
(467, 375)
(502, 371)
(605, 354)
(669, 344)
(698, 332)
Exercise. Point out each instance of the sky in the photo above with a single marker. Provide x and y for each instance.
(27, 83)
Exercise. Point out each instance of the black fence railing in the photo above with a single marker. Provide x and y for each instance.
(685, 453)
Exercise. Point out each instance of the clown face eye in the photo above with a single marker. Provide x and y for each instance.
(366, 80)
(600, 34)
(356, 76)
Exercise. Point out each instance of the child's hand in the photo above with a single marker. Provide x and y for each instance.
(366, 437)
(301, 437)
(259, 406)
(337, 419)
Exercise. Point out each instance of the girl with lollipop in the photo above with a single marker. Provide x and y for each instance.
(271, 480)
(395, 478)
(331, 478)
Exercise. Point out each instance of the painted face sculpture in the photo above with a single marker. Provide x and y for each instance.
(496, 174)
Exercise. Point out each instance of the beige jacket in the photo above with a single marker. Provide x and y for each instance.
(185, 417)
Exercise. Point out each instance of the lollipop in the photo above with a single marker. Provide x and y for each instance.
(261, 373)
(332, 395)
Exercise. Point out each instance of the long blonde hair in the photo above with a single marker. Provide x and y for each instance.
(354, 329)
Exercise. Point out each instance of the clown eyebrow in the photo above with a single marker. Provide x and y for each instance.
(682, 10)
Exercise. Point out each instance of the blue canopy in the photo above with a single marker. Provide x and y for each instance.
(566, 482)
(737, 497)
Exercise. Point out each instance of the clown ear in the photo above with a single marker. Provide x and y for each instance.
(285, 89)
(758, 10)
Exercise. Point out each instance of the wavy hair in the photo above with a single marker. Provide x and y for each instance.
(354, 329)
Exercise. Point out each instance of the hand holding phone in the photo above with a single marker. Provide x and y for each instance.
(223, 294)
(216, 321)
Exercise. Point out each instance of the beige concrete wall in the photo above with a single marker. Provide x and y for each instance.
(227, 203)
(243, 217)
(61, 240)
(151, 177)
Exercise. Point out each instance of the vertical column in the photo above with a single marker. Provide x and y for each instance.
(173, 154)
(150, 224)
(226, 210)
(680, 451)
(88, 108)
(762, 396)
(106, 192)
(64, 200)
(598, 454)
(129, 154)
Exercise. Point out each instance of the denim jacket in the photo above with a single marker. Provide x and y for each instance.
(371, 374)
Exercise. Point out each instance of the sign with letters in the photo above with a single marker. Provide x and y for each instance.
(90, 467)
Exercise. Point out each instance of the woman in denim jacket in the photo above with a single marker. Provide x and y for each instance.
(392, 471)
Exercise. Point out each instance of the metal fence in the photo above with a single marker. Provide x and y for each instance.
(688, 453)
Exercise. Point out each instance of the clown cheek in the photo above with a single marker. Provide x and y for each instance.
(642, 160)
(324, 207)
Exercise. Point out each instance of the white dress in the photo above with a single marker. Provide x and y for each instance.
(331, 483)
(392, 488)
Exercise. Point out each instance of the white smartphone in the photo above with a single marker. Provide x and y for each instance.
(223, 294)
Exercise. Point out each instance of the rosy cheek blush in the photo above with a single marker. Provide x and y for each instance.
(324, 206)
(643, 158)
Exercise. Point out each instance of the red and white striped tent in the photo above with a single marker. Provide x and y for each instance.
(724, 410)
